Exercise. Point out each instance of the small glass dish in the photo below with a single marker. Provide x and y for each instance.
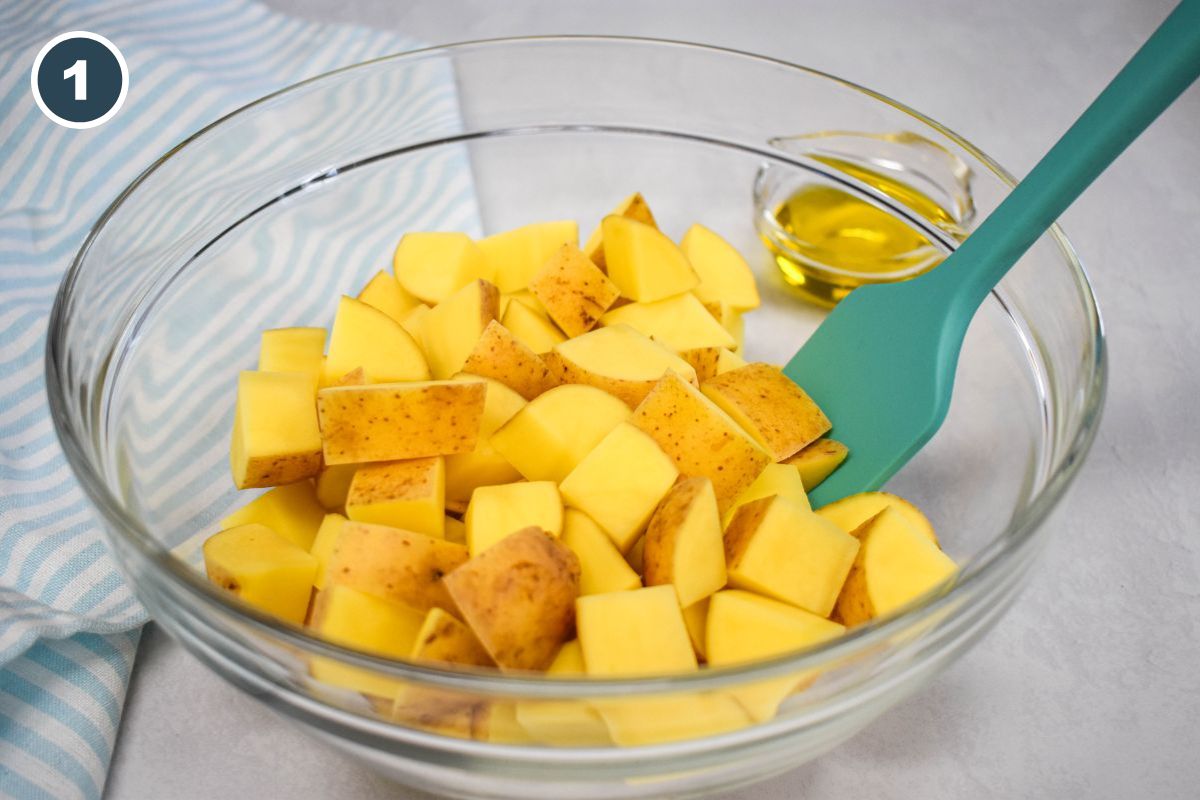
(864, 216)
(263, 219)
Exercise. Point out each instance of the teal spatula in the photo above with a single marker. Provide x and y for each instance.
(882, 363)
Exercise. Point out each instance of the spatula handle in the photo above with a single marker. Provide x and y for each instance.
(1157, 74)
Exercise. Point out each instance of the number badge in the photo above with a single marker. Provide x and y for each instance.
(79, 79)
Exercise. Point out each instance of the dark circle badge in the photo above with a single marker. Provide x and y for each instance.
(79, 79)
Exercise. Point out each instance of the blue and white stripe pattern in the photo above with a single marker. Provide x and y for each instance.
(68, 626)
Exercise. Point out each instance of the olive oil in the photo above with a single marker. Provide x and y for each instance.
(831, 241)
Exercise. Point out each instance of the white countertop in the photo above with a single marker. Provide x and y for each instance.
(1090, 687)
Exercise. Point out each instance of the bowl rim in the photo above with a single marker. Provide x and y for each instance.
(1004, 547)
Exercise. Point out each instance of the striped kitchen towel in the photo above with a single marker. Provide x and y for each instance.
(68, 625)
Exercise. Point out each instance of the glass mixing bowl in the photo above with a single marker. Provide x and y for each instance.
(262, 219)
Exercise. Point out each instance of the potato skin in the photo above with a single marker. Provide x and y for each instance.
(394, 564)
(772, 408)
(518, 596)
(443, 639)
(503, 357)
(658, 554)
(573, 290)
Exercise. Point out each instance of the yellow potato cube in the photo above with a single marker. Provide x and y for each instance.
(526, 298)
(451, 329)
(548, 438)
(896, 564)
(733, 323)
(776, 479)
(695, 617)
(484, 466)
(679, 323)
(333, 484)
(634, 207)
(564, 723)
(386, 294)
(414, 323)
(700, 438)
(517, 255)
(501, 356)
(704, 360)
(292, 511)
(724, 274)
(817, 461)
(618, 360)
(497, 511)
(394, 564)
(444, 640)
(263, 569)
(518, 596)
(364, 622)
(671, 718)
(638, 633)
(850, 513)
(395, 421)
(364, 336)
(573, 291)
(403, 494)
(782, 550)
(275, 435)
(727, 361)
(532, 328)
(323, 544)
(643, 263)
(636, 557)
(744, 627)
(602, 568)
(293, 350)
(770, 407)
(433, 266)
(620, 483)
(455, 531)
(684, 547)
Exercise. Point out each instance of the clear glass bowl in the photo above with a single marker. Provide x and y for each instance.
(263, 218)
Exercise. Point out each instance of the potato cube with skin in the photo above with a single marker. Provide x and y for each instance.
(292, 511)
(700, 438)
(684, 547)
(395, 564)
(743, 627)
(678, 323)
(503, 357)
(770, 407)
(444, 640)
(531, 327)
(620, 483)
(518, 596)
(896, 564)
(403, 494)
(364, 336)
(263, 569)
(635, 208)
(564, 723)
(547, 438)
(516, 255)
(638, 633)
(603, 569)
(275, 437)
(776, 479)
(779, 549)
(432, 266)
(364, 622)
(497, 511)
(636, 557)
(386, 294)
(293, 350)
(323, 544)
(395, 421)
(643, 263)
(573, 291)
(817, 461)
(484, 466)
(451, 329)
(333, 484)
(617, 360)
(704, 360)
(724, 274)
(851, 513)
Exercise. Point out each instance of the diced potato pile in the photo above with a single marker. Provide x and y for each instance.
(517, 454)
